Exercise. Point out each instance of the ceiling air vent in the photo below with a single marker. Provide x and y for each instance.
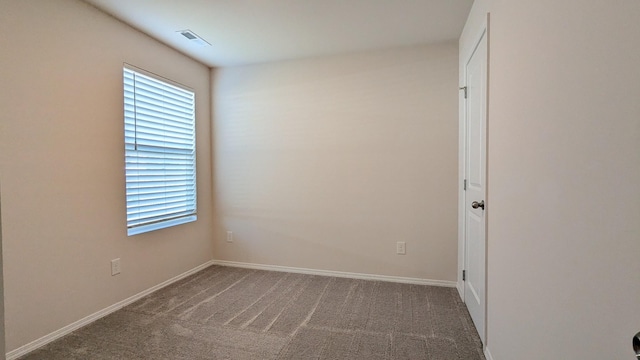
(191, 36)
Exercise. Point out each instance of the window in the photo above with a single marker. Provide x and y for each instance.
(160, 157)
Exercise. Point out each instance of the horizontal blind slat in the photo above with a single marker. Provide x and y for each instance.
(163, 100)
(152, 204)
(159, 117)
(151, 129)
(137, 196)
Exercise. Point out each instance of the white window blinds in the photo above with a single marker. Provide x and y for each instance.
(160, 167)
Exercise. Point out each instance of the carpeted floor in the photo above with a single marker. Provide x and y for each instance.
(233, 313)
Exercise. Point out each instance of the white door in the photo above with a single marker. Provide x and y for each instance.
(475, 175)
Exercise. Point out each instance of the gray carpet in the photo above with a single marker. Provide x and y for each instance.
(233, 313)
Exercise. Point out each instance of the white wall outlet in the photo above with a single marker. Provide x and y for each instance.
(401, 248)
(115, 267)
(229, 236)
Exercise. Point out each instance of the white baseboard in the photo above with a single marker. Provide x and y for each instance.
(487, 353)
(25, 349)
(398, 279)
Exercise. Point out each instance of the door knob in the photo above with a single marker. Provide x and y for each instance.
(476, 204)
(636, 345)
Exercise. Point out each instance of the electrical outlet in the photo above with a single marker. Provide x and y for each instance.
(115, 267)
(401, 248)
(229, 236)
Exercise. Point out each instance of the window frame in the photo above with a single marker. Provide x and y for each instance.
(135, 157)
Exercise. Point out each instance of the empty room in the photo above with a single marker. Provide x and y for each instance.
(321, 179)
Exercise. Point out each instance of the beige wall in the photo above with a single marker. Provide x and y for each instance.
(62, 159)
(326, 163)
(2, 339)
(564, 169)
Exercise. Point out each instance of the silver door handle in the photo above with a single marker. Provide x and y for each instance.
(476, 204)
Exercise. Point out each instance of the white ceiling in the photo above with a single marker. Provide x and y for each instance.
(254, 31)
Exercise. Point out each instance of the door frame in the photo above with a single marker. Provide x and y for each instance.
(464, 57)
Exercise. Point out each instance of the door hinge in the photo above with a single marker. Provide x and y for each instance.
(464, 185)
(465, 91)
(464, 275)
